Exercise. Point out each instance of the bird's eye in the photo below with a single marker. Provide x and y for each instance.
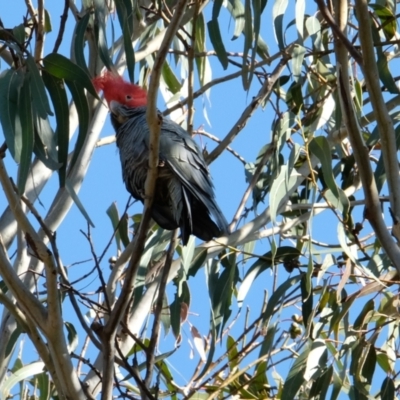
(128, 97)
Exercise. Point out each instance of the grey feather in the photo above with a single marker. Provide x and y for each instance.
(184, 192)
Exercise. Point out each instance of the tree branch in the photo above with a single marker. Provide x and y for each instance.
(374, 212)
(263, 93)
(382, 117)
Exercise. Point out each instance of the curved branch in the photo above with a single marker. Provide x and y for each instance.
(374, 212)
(263, 93)
(382, 117)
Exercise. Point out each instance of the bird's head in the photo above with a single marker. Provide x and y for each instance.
(117, 90)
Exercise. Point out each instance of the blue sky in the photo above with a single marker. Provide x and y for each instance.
(103, 183)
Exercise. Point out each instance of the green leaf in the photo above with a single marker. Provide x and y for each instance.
(388, 390)
(125, 14)
(18, 376)
(197, 261)
(235, 7)
(41, 153)
(248, 38)
(320, 147)
(26, 119)
(278, 12)
(369, 364)
(202, 63)
(321, 385)
(279, 189)
(58, 95)
(216, 40)
(268, 341)
(298, 54)
(387, 19)
(72, 336)
(283, 254)
(38, 90)
(47, 22)
(232, 352)
(360, 322)
(216, 9)
(82, 107)
(300, 10)
(278, 294)
(79, 41)
(383, 66)
(43, 384)
(120, 225)
(10, 81)
(100, 13)
(295, 377)
(13, 339)
(78, 203)
(307, 302)
(170, 79)
(63, 68)
(19, 34)
(221, 290)
(316, 361)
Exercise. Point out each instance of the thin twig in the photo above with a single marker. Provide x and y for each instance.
(202, 132)
(150, 351)
(267, 154)
(341, 36)
(373, 210)
(263, 93)
(63, 22)
(382, 117)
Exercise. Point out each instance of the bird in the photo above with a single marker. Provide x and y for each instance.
(184, 195)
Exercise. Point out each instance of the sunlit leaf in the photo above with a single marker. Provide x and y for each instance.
(283, 254)
(387, 19)
(278, 11)
(280, 187)
(236, 9)
(300, 10)
(198, 342)
(295, 377)
(78, 203)
(18, 376)
(170, 79)
(72, 336)
(316, 361)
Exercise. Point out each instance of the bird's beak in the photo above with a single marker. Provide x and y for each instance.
(115, 109)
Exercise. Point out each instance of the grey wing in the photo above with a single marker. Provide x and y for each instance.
(185, 158)
(132, 141)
